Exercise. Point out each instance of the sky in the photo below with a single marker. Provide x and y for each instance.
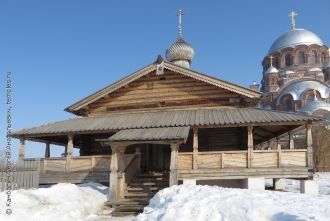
(61, 51)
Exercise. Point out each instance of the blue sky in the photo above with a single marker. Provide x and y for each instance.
(61, 51)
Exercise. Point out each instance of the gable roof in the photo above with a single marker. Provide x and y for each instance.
(169, 66)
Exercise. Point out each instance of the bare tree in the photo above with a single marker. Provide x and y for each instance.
(321, 148)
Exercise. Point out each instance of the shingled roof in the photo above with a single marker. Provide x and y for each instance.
(168, 118)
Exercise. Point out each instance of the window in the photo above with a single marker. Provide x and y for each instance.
(288, 60)
(301, 57)
(277, 62)
(287, 103)
(313, 57)
(323, 57)
(309, 98)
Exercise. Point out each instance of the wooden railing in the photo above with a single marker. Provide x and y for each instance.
(80, 164)
(239, 159)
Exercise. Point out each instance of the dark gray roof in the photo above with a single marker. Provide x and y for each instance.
(151, 134)
(168, 118)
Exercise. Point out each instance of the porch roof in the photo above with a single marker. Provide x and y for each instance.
(201, 117)
(151, 134)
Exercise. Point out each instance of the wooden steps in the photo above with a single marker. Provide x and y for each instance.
(139, 192)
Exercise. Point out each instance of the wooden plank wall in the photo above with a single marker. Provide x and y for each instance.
(293, 158)
(238, 159)
(23, 175)
(170, 90)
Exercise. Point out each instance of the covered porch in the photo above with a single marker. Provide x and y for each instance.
(195, 144)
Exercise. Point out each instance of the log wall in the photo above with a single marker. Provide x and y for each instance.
(169, 90)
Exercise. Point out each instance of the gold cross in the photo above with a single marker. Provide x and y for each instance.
(293, 14)
(271, 60)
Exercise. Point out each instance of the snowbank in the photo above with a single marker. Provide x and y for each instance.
(189, 202)
(322, 179)
(60, 202)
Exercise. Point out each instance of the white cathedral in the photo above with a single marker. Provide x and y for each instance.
(296, 73)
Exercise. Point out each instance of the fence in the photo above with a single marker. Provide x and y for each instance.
(22, 175)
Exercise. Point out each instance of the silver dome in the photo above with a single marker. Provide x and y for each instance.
(315, 105)
(180, 52)
(293, 38)
(297, 90)
(271, 70)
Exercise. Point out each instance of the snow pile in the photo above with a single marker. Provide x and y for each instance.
(189, 202)
(322, 179)
(60, 202)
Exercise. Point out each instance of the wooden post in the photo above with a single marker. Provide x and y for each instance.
(138, 153)
(120, 158)
(174, 164)
(21, 151)
(291, 141)
(195, 150)
(279, 153)
(47, 150)
(309, 141)
(113, 182)
(69, 149)
(250, 146)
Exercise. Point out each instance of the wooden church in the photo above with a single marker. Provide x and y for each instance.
(166, 124)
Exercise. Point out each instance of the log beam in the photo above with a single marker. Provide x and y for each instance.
(113, 182)
(195, 149)
(21, 151)
(279, 153)
(69, 151)
(250, 146)
(309, 141)
(47, 150)
(291, 141)
(174, 164)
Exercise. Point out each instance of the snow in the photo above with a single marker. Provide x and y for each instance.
(190, 202)
(59, 202)
(64, 202)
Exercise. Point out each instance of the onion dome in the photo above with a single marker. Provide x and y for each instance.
(295, 37)
(271, 68)
(180, 53)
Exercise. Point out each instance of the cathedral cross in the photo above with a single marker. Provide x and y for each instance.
(271, 60)
(293, 14)
(180, 14)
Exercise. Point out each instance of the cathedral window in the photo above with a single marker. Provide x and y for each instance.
(309, 98)
(288, 60)
(301, 57)
(277, 62)
(313, 57)
(287, 103)
(323, 57)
